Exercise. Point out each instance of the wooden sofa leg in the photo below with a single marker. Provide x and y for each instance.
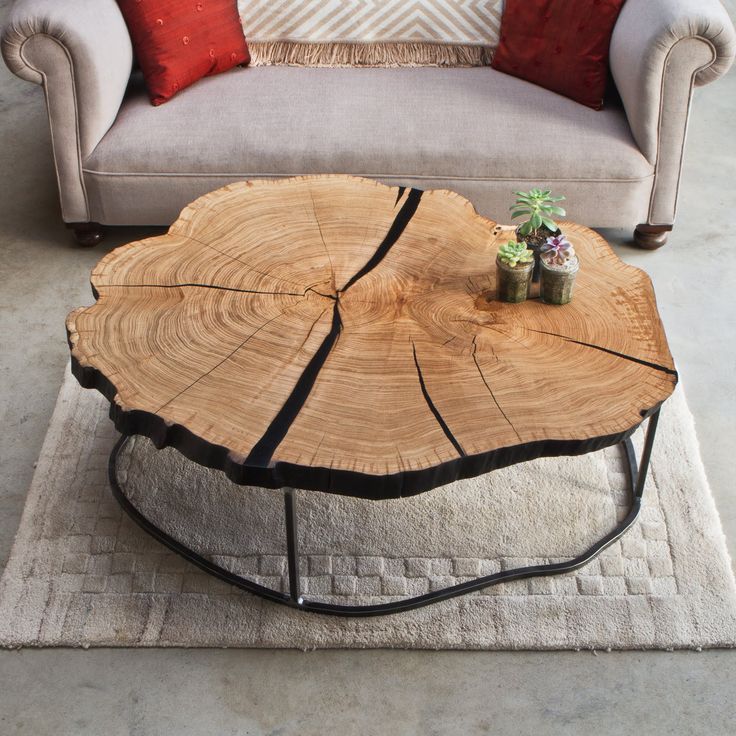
(651, 237)
(87, 234)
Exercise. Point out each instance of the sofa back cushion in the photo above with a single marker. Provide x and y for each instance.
(376, 33)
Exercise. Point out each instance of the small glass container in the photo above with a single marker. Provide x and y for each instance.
(557, 282)
(513, 282)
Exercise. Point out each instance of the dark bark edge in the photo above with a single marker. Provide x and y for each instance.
(340, 482)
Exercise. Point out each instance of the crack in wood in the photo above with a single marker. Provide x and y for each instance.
(319, 293)
(322, 237)
(206, 286)
(262, 452)
(224, 360)
(311, 330)
(395, 231)
(241, 261)
(315, 454)
(490, 390)
(435, 411)
(646, 363)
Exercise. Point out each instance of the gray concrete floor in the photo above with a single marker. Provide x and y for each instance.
(43, 276)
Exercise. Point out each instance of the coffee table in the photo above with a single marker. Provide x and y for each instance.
(335, 334)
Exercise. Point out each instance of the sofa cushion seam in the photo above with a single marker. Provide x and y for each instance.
(215, 174)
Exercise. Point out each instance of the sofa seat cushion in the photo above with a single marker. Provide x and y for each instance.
(476, 131)
(455, 123)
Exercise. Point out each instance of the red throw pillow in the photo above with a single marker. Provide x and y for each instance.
(559, 44)
(178, 42)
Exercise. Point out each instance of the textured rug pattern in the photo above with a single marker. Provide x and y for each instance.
(81, 573)
(639, 564)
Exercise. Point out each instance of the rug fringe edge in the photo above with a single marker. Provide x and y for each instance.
(372, 54)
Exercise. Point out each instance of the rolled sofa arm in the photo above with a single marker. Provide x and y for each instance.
(81, 53)
(660, 49)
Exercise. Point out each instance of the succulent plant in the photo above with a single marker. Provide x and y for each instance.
(513, 253)
(557, 251)
(539, 207)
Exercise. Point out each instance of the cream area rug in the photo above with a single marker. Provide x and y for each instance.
(82, 574)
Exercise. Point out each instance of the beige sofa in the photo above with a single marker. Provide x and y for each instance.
(121, 161)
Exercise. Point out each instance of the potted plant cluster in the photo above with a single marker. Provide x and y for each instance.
(559, 265)
(514, 265)
(539, 207)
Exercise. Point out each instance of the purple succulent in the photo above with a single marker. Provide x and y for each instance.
(557, 250)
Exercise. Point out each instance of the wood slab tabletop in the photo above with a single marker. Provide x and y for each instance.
(336, 334)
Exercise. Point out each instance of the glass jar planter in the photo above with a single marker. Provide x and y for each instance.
(557, 281)
(512, 282)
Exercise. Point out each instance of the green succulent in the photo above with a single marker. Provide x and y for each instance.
(513, 253)
(539, 207)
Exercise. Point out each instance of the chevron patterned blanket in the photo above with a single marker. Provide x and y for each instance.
(372, 32)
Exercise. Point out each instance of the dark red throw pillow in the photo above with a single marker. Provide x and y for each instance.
(559, 44)
(178, 42)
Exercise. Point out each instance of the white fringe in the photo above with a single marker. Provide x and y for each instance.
(392, 54)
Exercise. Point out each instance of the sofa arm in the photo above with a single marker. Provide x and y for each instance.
(81, 53)
(660, 49)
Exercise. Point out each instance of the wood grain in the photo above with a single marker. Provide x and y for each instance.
(337, 334)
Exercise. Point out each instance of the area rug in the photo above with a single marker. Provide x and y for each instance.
(82, 574)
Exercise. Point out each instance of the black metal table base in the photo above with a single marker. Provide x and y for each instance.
(636, 478)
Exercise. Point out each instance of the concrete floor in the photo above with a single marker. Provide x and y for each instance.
(43, 276)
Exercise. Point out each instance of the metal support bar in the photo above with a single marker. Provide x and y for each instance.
(636, 480)
(646, 455)
(292, 545)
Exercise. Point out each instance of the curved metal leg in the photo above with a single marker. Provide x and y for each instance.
(636, 478)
